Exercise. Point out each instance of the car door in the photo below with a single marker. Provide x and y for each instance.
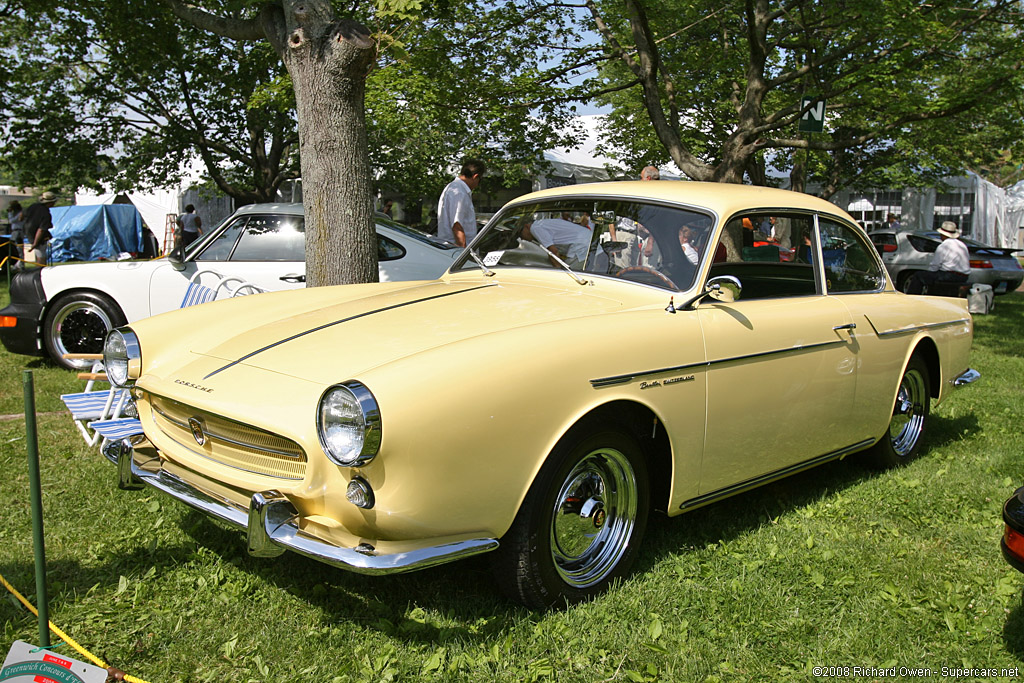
(781, 364)
(267, 250)
(857, 280)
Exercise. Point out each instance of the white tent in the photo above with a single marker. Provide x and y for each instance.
(583, 164)
(154, 206)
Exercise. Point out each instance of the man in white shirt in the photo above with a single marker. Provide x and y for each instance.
(570, 241)
(456, 217)
(951, 263)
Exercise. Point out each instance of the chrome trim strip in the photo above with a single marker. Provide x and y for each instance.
(772, 476)
(339, 322)
(271, 522)
(602, 382)
(219, 437)
(915, 328)
(968, 376)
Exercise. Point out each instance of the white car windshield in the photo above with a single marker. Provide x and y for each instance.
(650, 243)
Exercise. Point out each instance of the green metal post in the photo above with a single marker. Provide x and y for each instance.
(42, 599)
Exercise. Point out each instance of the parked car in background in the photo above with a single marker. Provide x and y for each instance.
(545, 394)
(905, 253)
(1012, 542)
(70, 308)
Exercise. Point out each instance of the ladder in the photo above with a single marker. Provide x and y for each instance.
(170, 225)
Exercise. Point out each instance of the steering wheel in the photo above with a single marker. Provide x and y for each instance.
(646, 275)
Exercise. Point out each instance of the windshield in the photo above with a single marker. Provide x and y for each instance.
(649, 243)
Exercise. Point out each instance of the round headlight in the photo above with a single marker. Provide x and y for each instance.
(349, 424)
(121, 357)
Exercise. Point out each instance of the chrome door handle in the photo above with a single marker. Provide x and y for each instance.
(293, 278)
(847, 326)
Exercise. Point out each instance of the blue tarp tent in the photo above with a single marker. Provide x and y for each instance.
(92, 233)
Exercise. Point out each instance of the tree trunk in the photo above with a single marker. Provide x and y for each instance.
(798, 174)
(328, 63)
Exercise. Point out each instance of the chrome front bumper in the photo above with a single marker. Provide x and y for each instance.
(272, 523)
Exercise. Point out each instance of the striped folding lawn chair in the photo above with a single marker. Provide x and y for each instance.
(118, 428)
(94, 404)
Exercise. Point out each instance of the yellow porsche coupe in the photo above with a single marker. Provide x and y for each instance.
(598, 352)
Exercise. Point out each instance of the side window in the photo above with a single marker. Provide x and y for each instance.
(923, 244)
(770, 252)
(272, 238)
(220, 248)
(388, 250)
(850, 264)
(884, 242)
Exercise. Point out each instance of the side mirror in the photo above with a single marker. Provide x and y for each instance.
(174, 257)
(724, 288)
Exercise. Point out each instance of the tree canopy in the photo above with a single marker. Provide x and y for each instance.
(96, 98)
(716, 87)
(355, 97)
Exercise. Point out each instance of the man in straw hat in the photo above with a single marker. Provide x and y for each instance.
(951, 263)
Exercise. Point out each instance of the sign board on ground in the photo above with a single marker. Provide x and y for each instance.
(813, 119)
(27, 663)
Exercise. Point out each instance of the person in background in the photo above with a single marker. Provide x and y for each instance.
(191, 227)
(456, 217)
(38, 224)
(951, 263)
(685, 235)
(568, 240)
(17, 220)
(650, 173)
(892, 222)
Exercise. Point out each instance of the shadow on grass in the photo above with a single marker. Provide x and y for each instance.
(1013, 631)
(464, 591)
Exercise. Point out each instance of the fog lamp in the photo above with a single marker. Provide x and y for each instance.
(359, 493)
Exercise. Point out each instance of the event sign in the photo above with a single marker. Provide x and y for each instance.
(27, 663)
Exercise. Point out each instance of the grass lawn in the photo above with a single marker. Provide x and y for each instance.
(838, 567)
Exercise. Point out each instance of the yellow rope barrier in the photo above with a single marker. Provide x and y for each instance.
(65, 637)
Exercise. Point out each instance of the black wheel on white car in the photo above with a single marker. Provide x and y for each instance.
(581, 522)
(904, 281)
(78, 323)
(902, 441)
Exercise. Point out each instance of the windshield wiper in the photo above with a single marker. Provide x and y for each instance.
(487, 271)
(565, 266)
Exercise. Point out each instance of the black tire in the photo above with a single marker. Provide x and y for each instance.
(78, 323)
(904, 281)
(595, 479)
(901, 442)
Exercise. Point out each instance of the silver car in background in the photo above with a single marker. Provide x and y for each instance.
(905, 253)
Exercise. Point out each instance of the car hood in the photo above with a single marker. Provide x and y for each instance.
(383, 323)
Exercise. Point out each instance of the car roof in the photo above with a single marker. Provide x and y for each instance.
(722, 198)
(384, 223)
(294, 208)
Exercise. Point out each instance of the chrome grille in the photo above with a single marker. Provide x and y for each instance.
(228, 442)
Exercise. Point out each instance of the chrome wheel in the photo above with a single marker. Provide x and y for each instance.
(580, 525)
(909, 413)
(593, 518)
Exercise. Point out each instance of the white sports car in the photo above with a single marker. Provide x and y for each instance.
(70, 308)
